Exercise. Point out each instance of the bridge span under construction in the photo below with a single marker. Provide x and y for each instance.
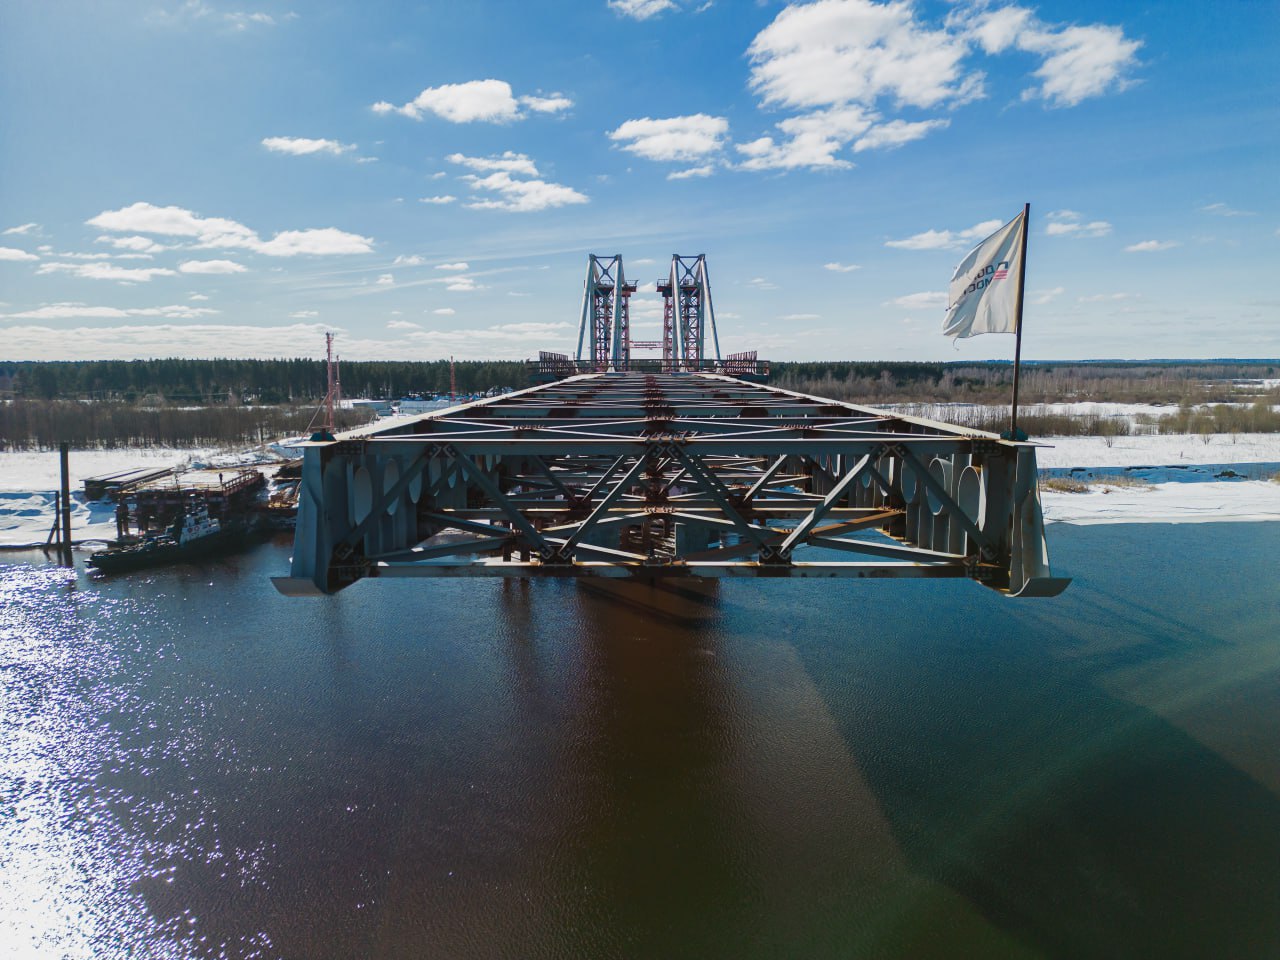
(660, 475)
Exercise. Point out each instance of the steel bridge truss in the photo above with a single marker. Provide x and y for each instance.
(685, 475)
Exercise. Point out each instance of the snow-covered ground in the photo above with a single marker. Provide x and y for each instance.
(28, 481)
(1170, 501)
(1219, 502)
(1166, 450)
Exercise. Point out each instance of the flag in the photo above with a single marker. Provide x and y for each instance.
(984, 289)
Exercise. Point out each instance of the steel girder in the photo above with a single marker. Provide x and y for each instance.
(633, 475)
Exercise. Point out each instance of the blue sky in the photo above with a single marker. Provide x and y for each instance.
(234, 177)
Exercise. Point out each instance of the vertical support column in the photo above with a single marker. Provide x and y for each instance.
(64, 450)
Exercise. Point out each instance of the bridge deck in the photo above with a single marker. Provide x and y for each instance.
(626, 475)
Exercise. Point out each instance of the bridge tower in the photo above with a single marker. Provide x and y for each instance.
(604, 328)
(688, 315)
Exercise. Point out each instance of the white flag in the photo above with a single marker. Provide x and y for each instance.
(984, 289)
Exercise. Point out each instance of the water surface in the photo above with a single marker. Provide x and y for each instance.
(194, 766)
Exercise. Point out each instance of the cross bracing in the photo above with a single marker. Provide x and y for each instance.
(660, 475)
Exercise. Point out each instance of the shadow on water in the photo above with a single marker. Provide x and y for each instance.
(1084, 824)
(654, 711)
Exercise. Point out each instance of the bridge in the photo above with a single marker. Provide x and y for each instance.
(667, 468)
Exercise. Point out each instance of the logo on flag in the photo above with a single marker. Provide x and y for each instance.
(977, 301)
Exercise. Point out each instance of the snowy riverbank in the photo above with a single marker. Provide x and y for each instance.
(1252, 496)
(28, 482)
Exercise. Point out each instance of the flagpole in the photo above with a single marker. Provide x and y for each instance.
(1017, 320)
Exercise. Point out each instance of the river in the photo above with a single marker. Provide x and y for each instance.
(194, 766)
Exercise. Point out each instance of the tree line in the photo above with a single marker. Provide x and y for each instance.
(1168, 382)
(186, 381)
(245, 381)
(40, 424)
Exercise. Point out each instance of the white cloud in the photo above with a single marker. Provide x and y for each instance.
(528, 326)
(22, 228)
(1105, 297)
(301, 146)
(920, 301)
(489, 101)
(439, 200)
(105, 271)
(1217, 209)
(239, 20)
(812, 140)
(445, 312)
(841, 63)
(463, 285)
(74, 311)
(855, 51)
(760, 283)
(996, 30)
(134, 244)
(211, 266)
(304, 314)
(386, 280)
(319, 242)
(1077, 62)
(507, 192)
(197, 296)
(1041, 297)
(1068, 223)
(841, 267)
(507, 161)
(800, 317)
(641, 9)
(552, 104)
(685, 139)
(1080, 62)
(454, 267)
(691, 172)
(14, 254)
(946, 239)
(891, 135)
(1151, 246)
(522, 196)
(403, 325)
(411, 260)
(216, 232)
